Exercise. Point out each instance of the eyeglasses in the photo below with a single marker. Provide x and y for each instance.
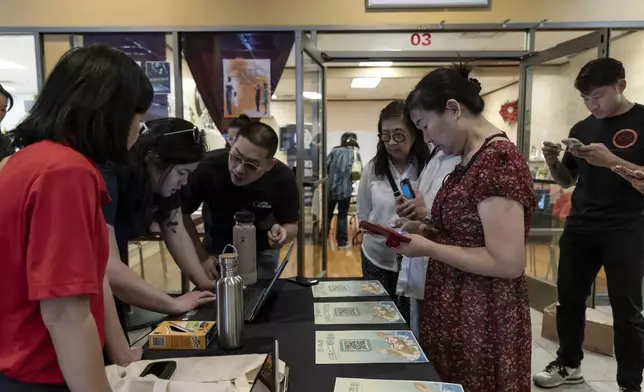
(238, 160)
(197, 134)
(398, 137)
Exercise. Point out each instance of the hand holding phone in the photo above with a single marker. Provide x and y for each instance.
(572, 143)
(407, 190)
(394, 239)
(628, 173)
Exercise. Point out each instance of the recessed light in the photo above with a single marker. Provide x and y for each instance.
(365, 82)
(311, 95)
(6, 65)
(273, 96)
(376, 63)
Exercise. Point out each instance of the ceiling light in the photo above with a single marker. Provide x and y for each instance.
(376, 63)
(365, 82)
(6, 65)
(273, 96)
(311, 95)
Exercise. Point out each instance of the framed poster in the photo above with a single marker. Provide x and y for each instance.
(247, 87)
(414, 4)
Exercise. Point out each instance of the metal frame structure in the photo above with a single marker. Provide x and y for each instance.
(304, 44)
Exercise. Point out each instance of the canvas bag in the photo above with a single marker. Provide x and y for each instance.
(356, 166)
(228, 373)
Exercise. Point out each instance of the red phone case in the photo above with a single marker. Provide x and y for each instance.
(394, 239)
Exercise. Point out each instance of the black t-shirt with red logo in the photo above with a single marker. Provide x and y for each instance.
(602, 199)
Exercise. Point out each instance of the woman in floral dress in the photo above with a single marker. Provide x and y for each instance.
(475, 324)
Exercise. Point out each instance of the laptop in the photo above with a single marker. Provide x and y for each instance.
(255, 297)
(268, 377)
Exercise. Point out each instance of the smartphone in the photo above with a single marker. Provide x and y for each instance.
(303, 281)
(407, 190)
(394, 239)
(162, 369)
(572, 142)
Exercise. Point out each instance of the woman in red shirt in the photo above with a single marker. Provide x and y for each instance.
(55, 242)
(475, 324)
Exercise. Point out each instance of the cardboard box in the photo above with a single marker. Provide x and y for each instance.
(599, 329)
(182, 335)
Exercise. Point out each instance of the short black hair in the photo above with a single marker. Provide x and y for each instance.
(8, 96)
(6, 146)
(89, 102)
(261, 135)
(599, 73)
(349, 139)
(240, 121)
(442, 84)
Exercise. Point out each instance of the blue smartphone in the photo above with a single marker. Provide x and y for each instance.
(406, 189)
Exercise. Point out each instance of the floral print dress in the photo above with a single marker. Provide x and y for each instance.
(476, 329)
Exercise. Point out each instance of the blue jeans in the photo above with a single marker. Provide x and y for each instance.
(341, 235)
(267, 263)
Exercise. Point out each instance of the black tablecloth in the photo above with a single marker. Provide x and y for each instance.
(288, 317)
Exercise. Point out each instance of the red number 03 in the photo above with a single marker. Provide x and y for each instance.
(421, 39)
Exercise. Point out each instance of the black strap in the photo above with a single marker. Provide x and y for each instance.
(392, 182)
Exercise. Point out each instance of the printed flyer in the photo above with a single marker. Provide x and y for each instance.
(348, 288)
(337, 347)
(357, 313)
(362, 385)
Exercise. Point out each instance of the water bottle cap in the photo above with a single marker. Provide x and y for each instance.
(245, 217)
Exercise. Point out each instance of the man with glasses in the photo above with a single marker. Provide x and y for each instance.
(246, 178)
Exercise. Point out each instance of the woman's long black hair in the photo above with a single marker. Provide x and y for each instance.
(7, 96)
(419, 152)
(160, 147)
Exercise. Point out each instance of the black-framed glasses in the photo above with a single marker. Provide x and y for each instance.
(237, 160)
(197, 134)
(386, 137)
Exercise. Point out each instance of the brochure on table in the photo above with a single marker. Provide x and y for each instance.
(362, 385)
(348, 288)
(384, 312)
(337, 347)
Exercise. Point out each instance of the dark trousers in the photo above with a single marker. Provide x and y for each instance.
(7, 385)
(622, 256)
(341, 224)
(389, 280)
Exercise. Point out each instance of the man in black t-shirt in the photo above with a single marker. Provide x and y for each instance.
(605, 226)
(246, 178)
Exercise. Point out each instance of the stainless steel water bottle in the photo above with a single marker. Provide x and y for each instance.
(244, 239)
(230, 303)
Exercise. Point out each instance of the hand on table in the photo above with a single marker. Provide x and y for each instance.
(191, 300)
(277, 236)
(597, 154)
(210, 266)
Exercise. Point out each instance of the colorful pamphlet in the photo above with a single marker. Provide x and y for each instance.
(363, 385)
(357, 313)
(348, 288)
(336, 347)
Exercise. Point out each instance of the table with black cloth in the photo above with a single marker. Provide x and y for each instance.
(288, 317)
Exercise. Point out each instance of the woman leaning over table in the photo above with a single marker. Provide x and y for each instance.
(476, 320)
(56, 304)
(402, 153)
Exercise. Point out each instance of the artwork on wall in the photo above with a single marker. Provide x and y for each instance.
(406, 4)
(247, 87)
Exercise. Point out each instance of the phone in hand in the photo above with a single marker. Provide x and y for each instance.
(162, 369)
(394, 239)
(625, 171)
(572, 142)
(407, 190)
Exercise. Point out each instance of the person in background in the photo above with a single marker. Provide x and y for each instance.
(167, 151)
(246, 178)
(340, 162)
(402, 153)
(411, 279)
(6, 103)
(234, 127)
(475, 326)
(605, 226)
(55, 300)
(266, 97)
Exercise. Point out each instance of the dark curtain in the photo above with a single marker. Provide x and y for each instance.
(205, 52)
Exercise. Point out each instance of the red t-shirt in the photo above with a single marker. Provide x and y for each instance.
(53, 243)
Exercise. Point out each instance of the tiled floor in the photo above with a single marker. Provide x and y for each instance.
(598, 370)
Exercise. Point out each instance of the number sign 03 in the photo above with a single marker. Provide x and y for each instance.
(421, 39)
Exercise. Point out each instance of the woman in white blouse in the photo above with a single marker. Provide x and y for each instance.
(404, 154)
